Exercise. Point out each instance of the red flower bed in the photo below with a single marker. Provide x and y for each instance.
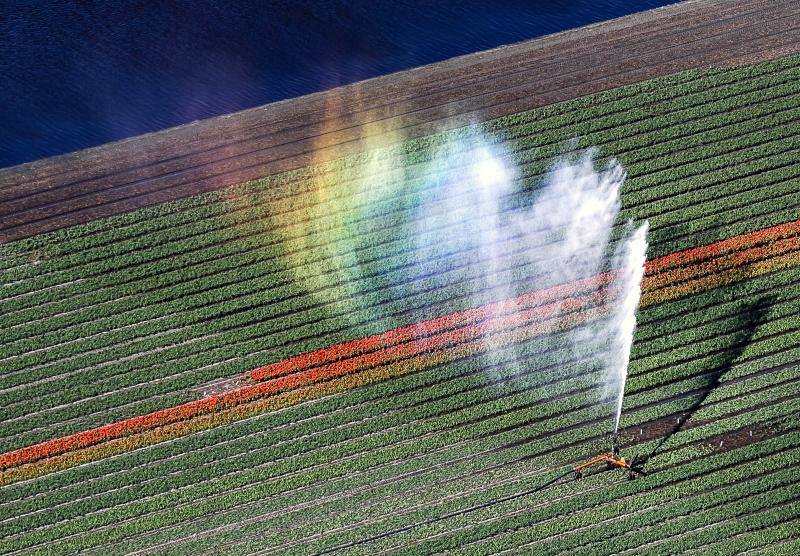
(719, 264)
(425, 328)
(460, 333)
(736, 243)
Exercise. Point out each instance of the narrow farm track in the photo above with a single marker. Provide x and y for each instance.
(254, 335)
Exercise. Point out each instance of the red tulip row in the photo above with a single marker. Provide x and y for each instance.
(720, 264)
(723, 278)
(462, 330)
(182, 428)
(427, 328)
(736, 243)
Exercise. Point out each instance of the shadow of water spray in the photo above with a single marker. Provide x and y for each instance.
(751, 316)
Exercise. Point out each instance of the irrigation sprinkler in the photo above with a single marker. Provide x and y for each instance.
(612, 460)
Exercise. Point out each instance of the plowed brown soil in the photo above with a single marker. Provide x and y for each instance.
(62, 191)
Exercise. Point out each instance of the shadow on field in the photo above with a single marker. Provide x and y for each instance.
(752, 315)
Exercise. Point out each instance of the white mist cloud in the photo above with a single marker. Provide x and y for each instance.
(560, 236)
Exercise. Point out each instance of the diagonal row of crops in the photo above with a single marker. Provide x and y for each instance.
(127, 344)
(421, 450)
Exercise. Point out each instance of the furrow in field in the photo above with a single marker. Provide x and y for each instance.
(652, 520)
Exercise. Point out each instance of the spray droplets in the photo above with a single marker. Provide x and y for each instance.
(489, 170)
(628, 265)
(565, 230)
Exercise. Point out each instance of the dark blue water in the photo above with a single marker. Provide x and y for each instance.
(74, 75)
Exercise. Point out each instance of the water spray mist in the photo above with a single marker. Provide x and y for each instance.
(558, 228)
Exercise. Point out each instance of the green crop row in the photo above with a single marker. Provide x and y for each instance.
(750, 514)
(769, 539)
(698, 510)
(649, 516)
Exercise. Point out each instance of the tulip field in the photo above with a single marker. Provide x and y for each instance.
(300, 365)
